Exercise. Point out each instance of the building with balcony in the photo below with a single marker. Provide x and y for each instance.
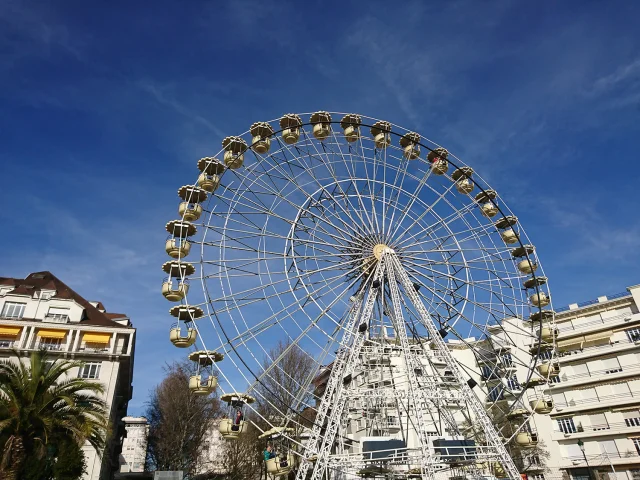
(596, 392)
(41, 312)
(134, 445)
(585, 395)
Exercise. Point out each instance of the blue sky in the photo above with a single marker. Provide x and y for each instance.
(105, 108)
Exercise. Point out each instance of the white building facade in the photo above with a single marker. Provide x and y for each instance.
(596, 395)
(41, 312)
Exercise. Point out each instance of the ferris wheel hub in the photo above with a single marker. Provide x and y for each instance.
(378, 250)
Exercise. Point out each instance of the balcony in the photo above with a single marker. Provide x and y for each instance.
(597, 350)
(567, 328)
(602, 459)
(391, 423)
(52, 347)
(88, 348)
(598, 402)
(625, 428)
(614, 373)
(56, 318)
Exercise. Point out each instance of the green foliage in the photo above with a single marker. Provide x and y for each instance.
(42, 406)
(63, 460)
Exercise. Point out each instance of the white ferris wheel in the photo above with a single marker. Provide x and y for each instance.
(394, 268)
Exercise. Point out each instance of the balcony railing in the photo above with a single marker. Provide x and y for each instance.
(594, 348)
(54, 347)
(7, 344)
(593, 302)
(598, 399)
(628, 424)
(56, 318)
(569, 326)
(603, 456)
(94, 348)
(627, 369)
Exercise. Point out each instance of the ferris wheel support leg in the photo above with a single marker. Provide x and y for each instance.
(467, 394)
(413, 366)
(333, 401)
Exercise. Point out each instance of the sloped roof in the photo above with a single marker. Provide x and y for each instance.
(38, 281)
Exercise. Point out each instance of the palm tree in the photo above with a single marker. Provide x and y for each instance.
(40, 401)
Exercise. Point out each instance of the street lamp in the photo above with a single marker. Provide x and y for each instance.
(581, 445)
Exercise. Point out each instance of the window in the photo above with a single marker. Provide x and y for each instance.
(534, 460)
(545, 355)
(633, 334)
(609, 447)
(636, 443)
(572, 451)
(554, 379)
(513, 383)
(13, 309)
(90, 370)
(506, 360)
(635, 474)
(57, 315)
(611, 365)
(496, 393)
(632, 418)
(488, 372)
(598, 422)
(566, 425)
(6, 342)
(535, 476)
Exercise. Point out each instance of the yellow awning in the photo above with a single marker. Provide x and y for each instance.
(10, 331)
(52, 333)
(570, 343)
(96, 337)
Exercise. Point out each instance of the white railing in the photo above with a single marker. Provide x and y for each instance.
(570, 326)
(598, 399)
(578, 351)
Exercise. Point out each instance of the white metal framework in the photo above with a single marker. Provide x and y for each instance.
(395, 268)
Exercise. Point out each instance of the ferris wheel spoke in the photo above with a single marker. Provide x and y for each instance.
(397, 189)
(372, 220)
(442, 223)
(283, 281)
(473, 234)
(412, 200)
(308, 167)
(288, 311)
(345, 225)
(435, 274)
(500, 298)
(325, 154)
(487, 308)
(371, 180)
(312, 216)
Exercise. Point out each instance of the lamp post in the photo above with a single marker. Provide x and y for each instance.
(581, 445)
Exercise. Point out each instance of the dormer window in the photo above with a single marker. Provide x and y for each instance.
(57, 315)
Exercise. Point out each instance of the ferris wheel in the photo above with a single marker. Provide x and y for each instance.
(403, 280)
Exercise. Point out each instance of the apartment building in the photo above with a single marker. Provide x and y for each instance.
(134, 445)
(595, 431)
(590, 420)
(41, 312)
